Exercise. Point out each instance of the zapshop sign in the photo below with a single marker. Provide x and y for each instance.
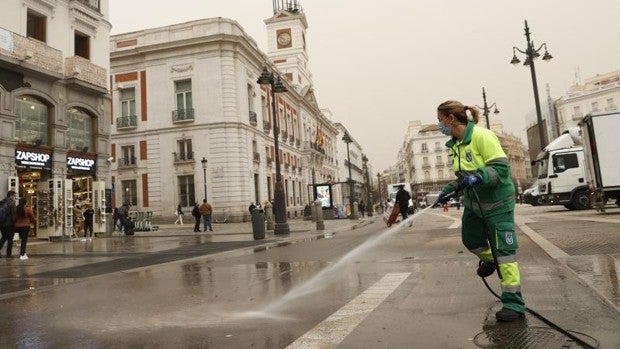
(80, 164)
(33, 159)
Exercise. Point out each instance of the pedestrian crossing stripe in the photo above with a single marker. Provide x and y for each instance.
(333, 330)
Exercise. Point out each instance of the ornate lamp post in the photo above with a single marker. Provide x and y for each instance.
(267, 78)
(367, 178)
(347, 139)
(204, 174)
(530, 54)
(485, 108)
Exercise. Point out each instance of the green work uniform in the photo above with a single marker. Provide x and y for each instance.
(480, 152)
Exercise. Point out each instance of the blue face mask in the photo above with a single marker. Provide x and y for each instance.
(444, 129)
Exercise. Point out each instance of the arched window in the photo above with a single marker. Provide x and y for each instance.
(79, 130)
(32, 124)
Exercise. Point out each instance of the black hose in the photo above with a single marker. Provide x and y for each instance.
(567, 333)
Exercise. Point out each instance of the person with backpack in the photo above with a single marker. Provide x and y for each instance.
(7, 221)
(23, 218)
(196, 214)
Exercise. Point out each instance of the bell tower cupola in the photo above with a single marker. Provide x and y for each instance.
(286, 31)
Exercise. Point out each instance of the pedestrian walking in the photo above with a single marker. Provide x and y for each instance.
(7, 222)
(361, 207)
(196, 214)
(115, 217)
(402, 200)
(179, 214)
(24, 217)
(88, 220)
(206, 211)
(483, 174)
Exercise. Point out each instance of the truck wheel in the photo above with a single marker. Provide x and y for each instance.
(581, 200)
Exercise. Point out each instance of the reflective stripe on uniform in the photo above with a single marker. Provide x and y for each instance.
(506, 259)
(510, 275)
(492, 175)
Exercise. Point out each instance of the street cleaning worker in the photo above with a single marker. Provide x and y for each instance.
(480, 164)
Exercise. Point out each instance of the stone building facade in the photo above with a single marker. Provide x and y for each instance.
(191, 122)
(54, 109)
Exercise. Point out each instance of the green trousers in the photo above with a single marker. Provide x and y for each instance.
(504, 241)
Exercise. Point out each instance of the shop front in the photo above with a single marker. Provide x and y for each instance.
(59, 201)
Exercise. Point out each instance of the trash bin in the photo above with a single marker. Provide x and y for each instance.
(258, 223)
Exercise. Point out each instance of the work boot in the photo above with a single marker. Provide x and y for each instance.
(508, 315)
(485, 269)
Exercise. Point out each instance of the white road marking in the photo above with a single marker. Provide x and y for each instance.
(551, 249)
(333, 330)
(457, 221)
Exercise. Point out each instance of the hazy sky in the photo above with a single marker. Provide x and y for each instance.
(379, 64)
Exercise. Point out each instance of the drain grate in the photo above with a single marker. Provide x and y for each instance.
(523, 337)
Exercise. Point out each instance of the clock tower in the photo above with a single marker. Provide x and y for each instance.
(286, 31)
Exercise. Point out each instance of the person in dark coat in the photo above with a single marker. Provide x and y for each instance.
(402, 200)
(7, 226)
(88, 220)
(196, 214)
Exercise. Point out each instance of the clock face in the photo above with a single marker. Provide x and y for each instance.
(284, 39)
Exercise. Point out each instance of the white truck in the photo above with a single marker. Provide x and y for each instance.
(602, 154)
(561, 173)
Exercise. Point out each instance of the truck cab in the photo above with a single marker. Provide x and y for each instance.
(561, 173)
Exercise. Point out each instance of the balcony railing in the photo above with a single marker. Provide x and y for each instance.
(426, 165)
(183, 115)
(32, 51)
(291, 139)
(611, 107)
(183, 157)
(93, 4)
(82, 69)
(266, 126)
(125, 122)
(438, 149)
(129, 161)
(577, 116)
(253, 118)
(256, 156)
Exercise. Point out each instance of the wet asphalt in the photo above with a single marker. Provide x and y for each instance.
(178, 289)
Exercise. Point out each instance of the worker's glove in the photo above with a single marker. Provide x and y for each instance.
(443, 198)
(471, 180)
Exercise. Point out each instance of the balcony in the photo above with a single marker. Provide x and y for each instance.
(126, 122)
(181, 158)
(129, 161)
(297, 143)
(92, 4)
(426, 165)
(611, 107)
(253, 118)
(79, 69)
(291, 140)
(438, 149)
(269, 161)
(266, 126)
(424, 150)
(256, 157)
(32, 52)
(182, 116)
(577, 116)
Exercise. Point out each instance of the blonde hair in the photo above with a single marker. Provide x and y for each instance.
(459, 110)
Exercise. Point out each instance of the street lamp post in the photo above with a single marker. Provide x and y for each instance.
(267, 78)
(367, 177)
(486, 108)
(204, 174)
(347, 139)
(530, 55)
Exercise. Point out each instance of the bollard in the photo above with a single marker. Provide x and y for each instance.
(320, 225)
(354, 213)
(258, 223)
(269, 214)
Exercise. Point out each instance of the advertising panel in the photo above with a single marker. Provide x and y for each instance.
(323, 192)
